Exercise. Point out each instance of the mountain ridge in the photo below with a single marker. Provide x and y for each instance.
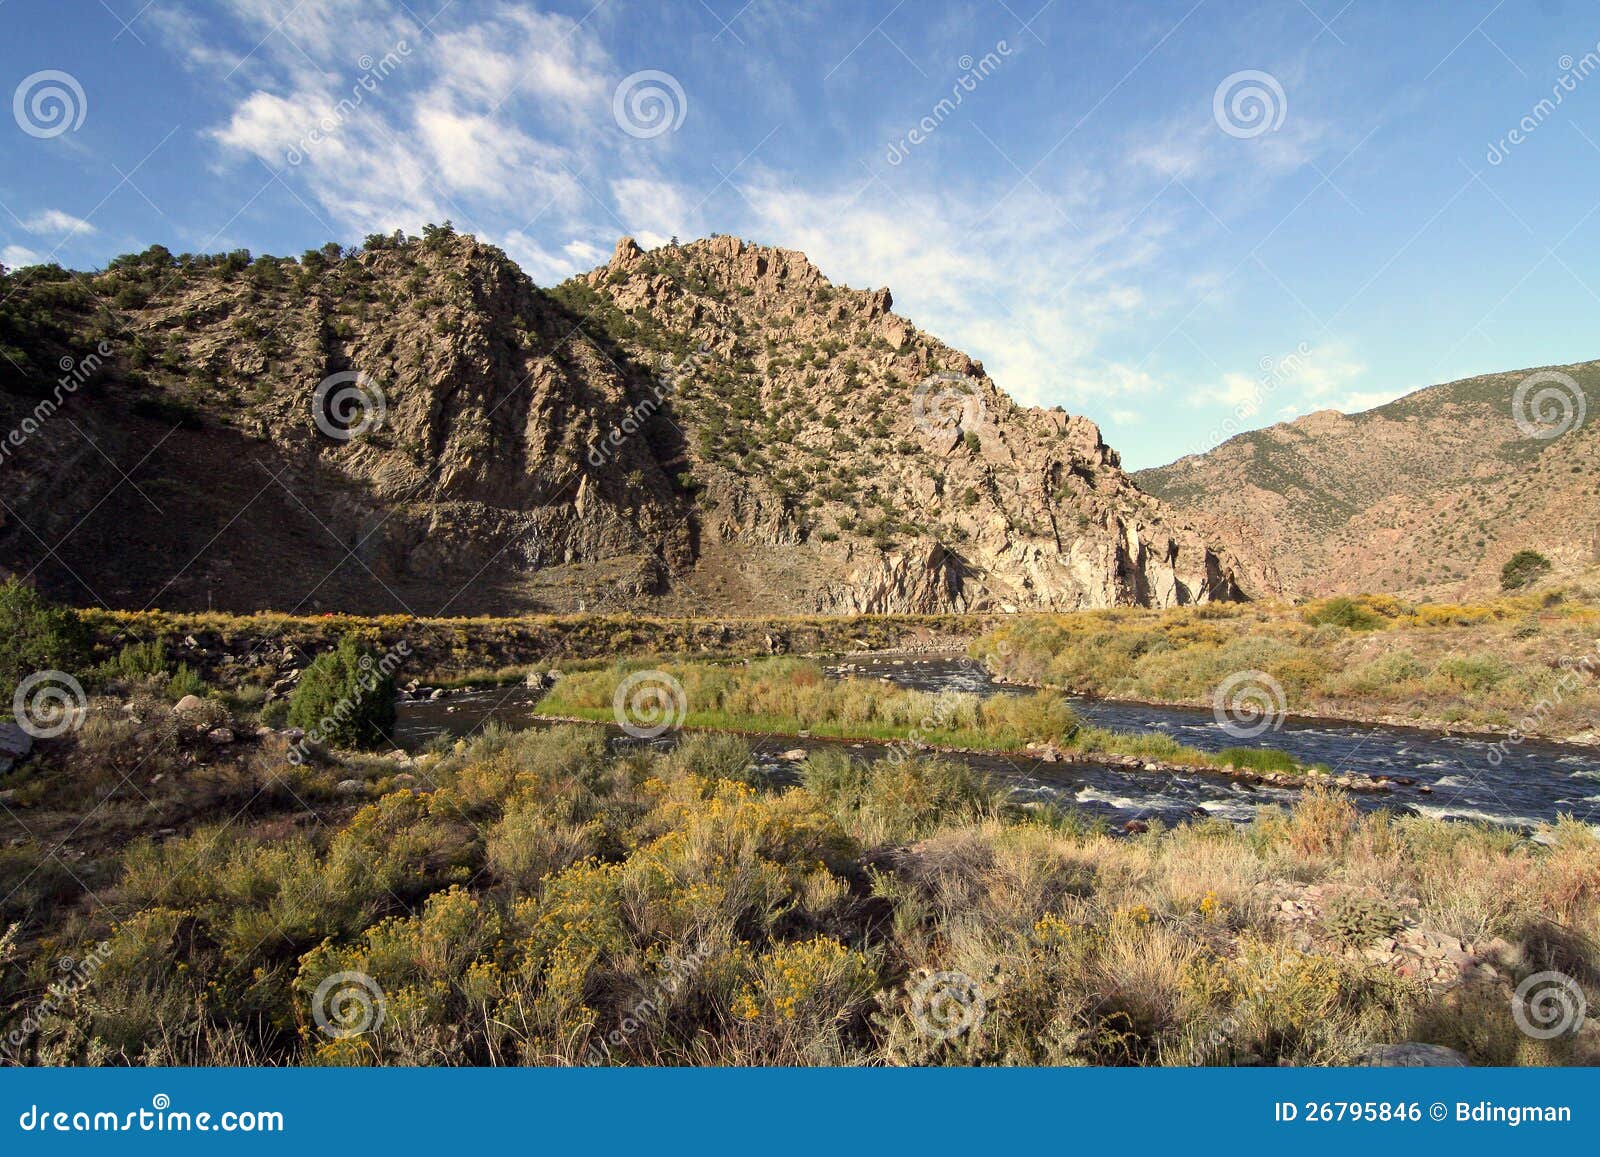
(415, 426)
(1428, 495)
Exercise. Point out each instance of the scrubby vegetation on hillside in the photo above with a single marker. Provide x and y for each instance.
(532, 898)
(236, 648)
(1527, 662)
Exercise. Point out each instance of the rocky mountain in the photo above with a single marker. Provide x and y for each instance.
(415, 427)
(1427, 496)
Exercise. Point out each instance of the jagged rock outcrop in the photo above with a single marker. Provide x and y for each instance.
(821, 418)
(416, 427)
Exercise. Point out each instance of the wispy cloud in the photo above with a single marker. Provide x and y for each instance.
(16, 256)
(55, 221)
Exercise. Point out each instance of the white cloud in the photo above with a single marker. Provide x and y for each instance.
(1011, 284)
(56, 221)
(490, 119)
(1312, 377)
(585, 254)
(1364, 400)
(16, 256)
(500, 119)
(651, 206)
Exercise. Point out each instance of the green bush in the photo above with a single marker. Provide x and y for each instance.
(1523, 568)
(346, 698)
(1258, 758)
(138, 661)
(1344, 612)
(185, 681)
(35, 636)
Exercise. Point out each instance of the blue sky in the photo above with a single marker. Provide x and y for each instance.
(1097, 217)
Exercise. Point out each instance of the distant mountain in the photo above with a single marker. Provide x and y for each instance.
(1428, 495)
(414, 426)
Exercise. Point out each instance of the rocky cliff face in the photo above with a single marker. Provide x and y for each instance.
(1426, 496)
(416, 427)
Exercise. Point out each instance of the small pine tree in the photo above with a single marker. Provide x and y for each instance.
(35, 636)
(1523, 568)
(345, 698)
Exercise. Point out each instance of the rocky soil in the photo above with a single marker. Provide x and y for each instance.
(1427, 496)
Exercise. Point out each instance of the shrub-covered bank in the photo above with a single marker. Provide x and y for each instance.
(1529, 663)
(531, 898)
(236, 649)
(793, 696)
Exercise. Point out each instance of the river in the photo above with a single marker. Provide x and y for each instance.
(1455, 778)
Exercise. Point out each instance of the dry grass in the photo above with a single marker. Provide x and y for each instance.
(1528, 662)
(549, 902)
